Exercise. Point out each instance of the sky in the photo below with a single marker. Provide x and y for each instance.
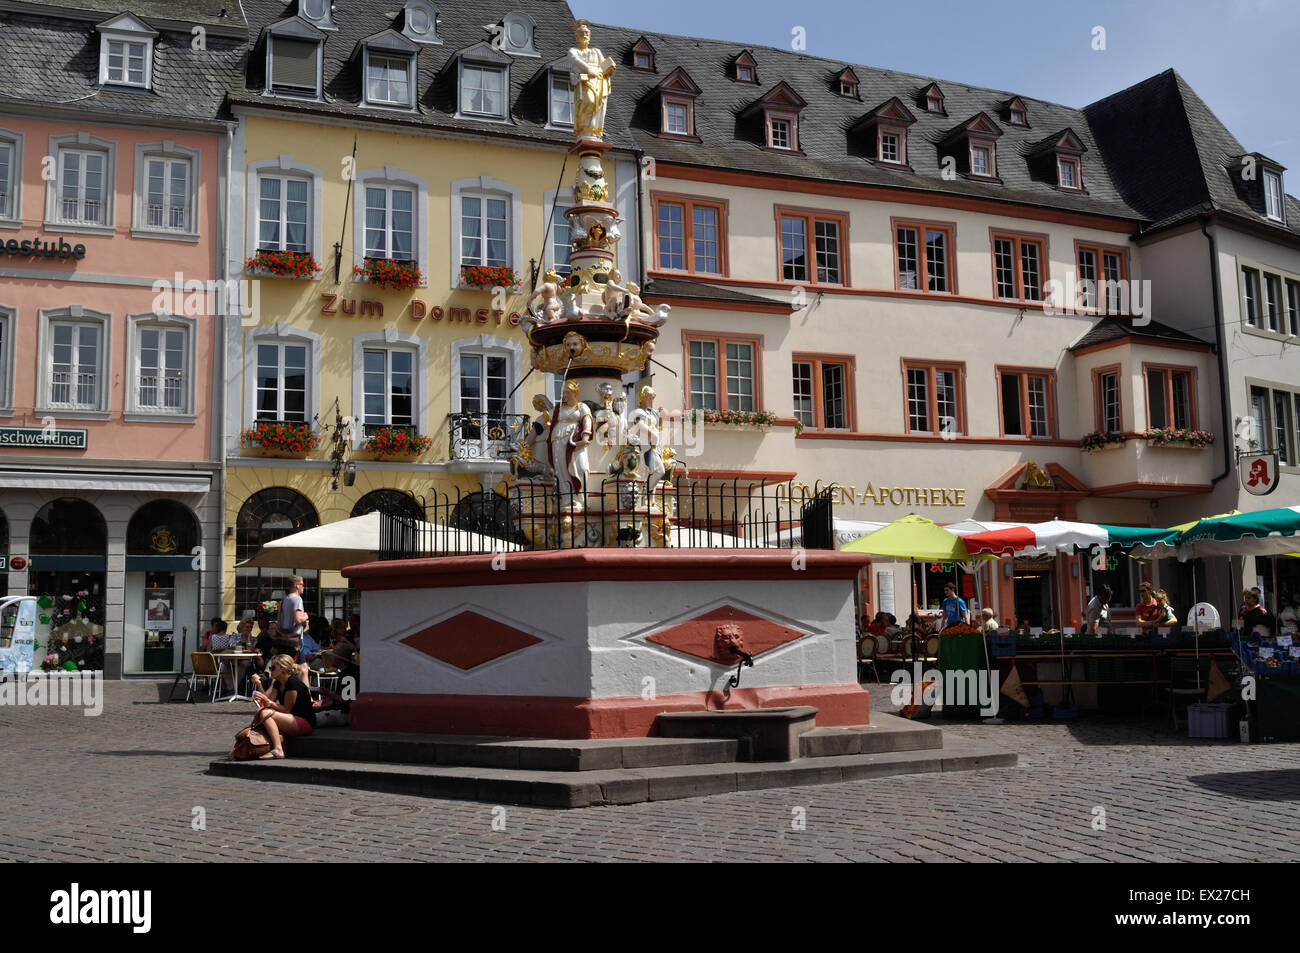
(1239, 55)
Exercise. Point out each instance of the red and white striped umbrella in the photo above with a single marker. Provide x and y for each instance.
(1035, 539)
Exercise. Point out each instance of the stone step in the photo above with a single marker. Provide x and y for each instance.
(527, 754)
(885, 733)
(567, 789)
(769, 734)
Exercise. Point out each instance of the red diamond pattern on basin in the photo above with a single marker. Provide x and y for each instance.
(468, 640)
(696, 636)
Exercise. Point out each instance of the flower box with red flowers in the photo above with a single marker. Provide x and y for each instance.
(1178, 437)
(396, 442)
(282, 264)
(488, 276)
(281, 439)
(389, 273)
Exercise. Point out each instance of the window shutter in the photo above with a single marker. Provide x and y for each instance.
(293, 64)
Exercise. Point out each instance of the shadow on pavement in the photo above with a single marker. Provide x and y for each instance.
(1280, 785)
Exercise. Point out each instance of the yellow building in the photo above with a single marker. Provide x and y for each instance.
(405, 152)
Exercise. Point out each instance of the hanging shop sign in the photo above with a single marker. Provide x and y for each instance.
(163, 540)
(16, 563)
(35, 248)
(1259, 473)
(45, 438)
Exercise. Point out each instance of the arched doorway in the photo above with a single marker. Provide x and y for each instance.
(486, 513)
(396, 502)
(268, 515)
(69, 550)
(162, 585)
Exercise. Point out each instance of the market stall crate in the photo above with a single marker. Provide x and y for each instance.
(1208, 721)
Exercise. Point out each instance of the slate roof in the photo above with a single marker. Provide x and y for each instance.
(824, 123)
(461, 25)
(1115, 328)
(224, 13)
(702, 291)
(1170, 155)
(58, 62)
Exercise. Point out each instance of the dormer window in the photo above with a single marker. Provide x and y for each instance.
(643, 55)
(1017, 115)
(1273, 201)
(484, 83)
(516, 32)
(388, 64)
(677, 94)
(932, 98)
(317, 13)
(1058, 159)
(293, 59)
(420, 22)
(848, 83)
(746, 68)
(881, 135)
(126, 52)
(779, 108)
(974, 145)
(561, 98)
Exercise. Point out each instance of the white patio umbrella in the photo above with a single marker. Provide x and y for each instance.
(846, 531)
(354, 541)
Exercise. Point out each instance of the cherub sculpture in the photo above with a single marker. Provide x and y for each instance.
(548, 293)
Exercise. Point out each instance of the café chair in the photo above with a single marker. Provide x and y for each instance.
(203, 665)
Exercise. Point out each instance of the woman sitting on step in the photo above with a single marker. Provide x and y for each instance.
(287, 708)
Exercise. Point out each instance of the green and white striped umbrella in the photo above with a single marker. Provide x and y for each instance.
(1262, 533)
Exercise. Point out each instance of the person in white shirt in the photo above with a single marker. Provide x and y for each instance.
(1099, 608)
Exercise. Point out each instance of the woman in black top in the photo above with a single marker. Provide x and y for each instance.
(290, 711)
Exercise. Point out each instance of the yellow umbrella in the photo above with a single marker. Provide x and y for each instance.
(911, 537)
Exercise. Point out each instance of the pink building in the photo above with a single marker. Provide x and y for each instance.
(112, 178)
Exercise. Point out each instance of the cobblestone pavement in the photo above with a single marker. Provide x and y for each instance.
(125, 785)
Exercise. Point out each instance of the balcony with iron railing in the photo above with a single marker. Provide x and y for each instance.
(487, 437)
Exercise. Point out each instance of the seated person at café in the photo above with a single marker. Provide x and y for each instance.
(1148, 610)
(266, 638)
(990, 621)
(205, 640)
(244, 632)
(877, 625)
(222, 639)
(1254, 615)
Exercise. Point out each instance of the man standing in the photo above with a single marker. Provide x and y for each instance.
(1099, 609)
(292, 619)
(954, 607)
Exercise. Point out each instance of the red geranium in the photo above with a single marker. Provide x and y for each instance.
(287, 437)
(286, 264)
(397, 442)
(488, 276)
(387, 273)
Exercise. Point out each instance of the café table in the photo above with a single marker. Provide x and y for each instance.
(235, 658)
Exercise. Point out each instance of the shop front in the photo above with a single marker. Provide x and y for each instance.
(162, 590)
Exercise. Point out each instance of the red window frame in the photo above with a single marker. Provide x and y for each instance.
(1024, 373)
(786, 116)
(1077, 165)
(818, 361)
(1100, 251)
(688, 204)
(899, 131)
(1018, 239)
(811, 216)
(669, 99)
(1098, 408)
(922, 263)
(1167, 371)
(720, 342)
(930, 367)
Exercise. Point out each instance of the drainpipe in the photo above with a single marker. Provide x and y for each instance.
(1229, 430)
(640, 217)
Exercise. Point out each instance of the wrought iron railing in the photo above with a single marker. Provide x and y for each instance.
(704, 514)
(485, 436)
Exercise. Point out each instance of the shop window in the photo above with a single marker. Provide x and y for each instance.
(923, 256)
(690, 235)
(812, 246)
(1171, 397)
(934, 398)
(269, 515)
(1018, 263)
(68, 543)
(823, 392)
(1027, 403)
(723, 373)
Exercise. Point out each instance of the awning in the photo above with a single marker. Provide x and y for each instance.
(109, 482)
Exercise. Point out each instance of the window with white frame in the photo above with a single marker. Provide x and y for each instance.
(484, 385)
(779, 134)
(889, 151)
(675, 119)
(561, 242)
(390, 222)
(1275, 413)
(980, 160)
(10, 175)
(284, 213)
(125, 62)
(388, 79)
(723, 373)
(561, 98)
(160, 380)
(75, 368)
(282, 381)
(484, 229)
(6, 356)
(388, 387)
(482, 90)
(82, 193)
(1273, 196)
(168, 199)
